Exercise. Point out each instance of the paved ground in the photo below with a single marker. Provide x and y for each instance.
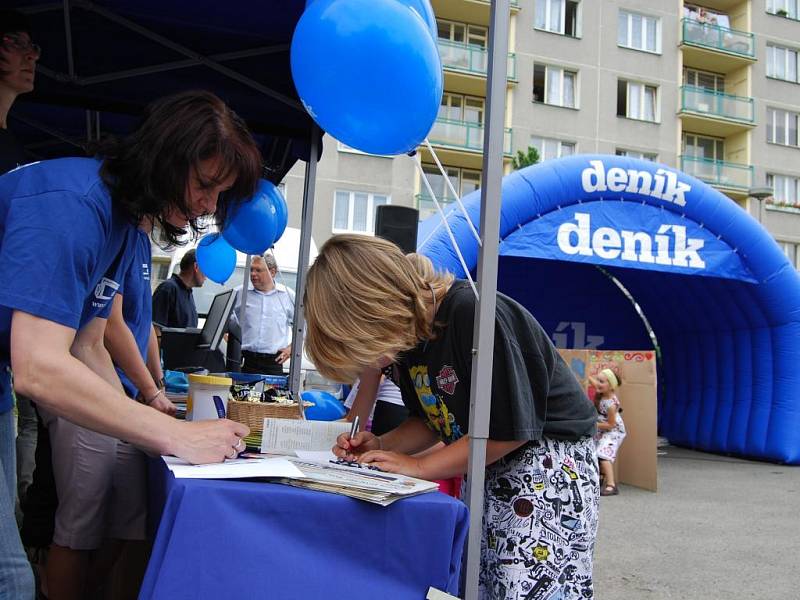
(718, 528)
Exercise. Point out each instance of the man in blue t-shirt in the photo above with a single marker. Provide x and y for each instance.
(67, 229)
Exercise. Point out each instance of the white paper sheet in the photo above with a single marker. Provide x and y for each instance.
(286, 436)
(237, 468)
(315, 455)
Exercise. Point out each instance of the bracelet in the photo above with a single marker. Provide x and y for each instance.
(380, 442)
(150, 401)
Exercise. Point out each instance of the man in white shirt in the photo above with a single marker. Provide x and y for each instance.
(268, 316)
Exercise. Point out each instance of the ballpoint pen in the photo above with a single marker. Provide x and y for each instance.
(353, 430)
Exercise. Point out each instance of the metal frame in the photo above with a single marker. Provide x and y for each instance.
(483, 337)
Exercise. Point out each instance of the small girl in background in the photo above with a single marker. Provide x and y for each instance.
(610, 428)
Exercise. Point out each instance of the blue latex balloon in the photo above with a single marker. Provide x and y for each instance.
(281, 213)
(250, 225)
(326, 407)
(424, 9)
(215, 257)
(368, 72)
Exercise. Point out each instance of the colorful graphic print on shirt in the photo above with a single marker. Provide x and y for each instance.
(440, 419)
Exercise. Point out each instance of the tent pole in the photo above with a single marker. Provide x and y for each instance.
(306, 222)
(68, 39)
(483, 337)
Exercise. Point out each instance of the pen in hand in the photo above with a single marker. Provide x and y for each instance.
(353, 431)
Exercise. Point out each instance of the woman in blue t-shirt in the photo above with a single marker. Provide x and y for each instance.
(367, 307)
(67, 228)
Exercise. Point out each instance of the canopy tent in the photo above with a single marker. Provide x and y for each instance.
(112, 57)
(720, 295)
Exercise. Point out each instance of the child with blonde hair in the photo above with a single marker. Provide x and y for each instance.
(610, 428)
(368, 307)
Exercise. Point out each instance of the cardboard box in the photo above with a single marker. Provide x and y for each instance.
(637, 460)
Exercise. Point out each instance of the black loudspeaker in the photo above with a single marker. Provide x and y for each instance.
(398, 224)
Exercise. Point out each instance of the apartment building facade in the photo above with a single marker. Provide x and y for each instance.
(711, 89)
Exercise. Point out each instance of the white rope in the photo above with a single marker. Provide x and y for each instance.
(454, 193)
(424, 177)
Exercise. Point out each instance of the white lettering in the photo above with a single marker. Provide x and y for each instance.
(581, 230)
(606, 243)
(598, 171)
(663, 185)
(672, 246)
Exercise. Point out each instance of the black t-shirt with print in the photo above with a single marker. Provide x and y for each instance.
(534, 394)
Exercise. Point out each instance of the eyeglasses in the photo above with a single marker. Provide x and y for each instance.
(20, 44)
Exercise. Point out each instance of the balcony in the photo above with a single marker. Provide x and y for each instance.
(426, 207)
(714, 113)
(463, 135)
(467, 11)
(471, 61)
(728, 176)
(715, 48)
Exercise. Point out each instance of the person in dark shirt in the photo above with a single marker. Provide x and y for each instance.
(173, 303)
(18, 56)
(367, 307)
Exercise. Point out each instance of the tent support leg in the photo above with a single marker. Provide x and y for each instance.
(483, 337)
(306, 222)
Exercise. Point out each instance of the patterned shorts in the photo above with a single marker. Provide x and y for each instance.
(540, 522)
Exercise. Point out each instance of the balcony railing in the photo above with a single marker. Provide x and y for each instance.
(717, 104)
(719, 38)
(463, 135)
(471, 59)
(718, 172)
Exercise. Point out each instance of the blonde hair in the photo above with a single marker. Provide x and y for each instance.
(422, 265)
(365, 301)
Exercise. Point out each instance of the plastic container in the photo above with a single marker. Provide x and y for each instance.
(208, 397)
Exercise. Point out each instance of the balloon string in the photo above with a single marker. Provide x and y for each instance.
(454, 193)
(427, 183)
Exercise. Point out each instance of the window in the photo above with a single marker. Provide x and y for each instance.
(461, 33)
(463, 180)
(557, 16)
(455, 107)
(552, 148)
(787, 189)
(703, 147)
(783, 8)
(554, 85)
(782, 63)
(651, 156)
(639, 32)
(636, 100)
(355, 211)
(782, 127)
(704, 79)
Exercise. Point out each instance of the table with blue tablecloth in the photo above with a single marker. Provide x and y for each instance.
(254, 539)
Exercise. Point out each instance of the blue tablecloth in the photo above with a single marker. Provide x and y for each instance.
(250, 539)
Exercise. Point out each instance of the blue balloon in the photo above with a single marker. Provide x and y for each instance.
(326, 407)
(424, 9)
(215, 257)
(250, 225)
(368, 72)
(281, 213)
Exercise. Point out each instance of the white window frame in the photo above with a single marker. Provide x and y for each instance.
(790, 6)
(642, 98)
(651, 156)
(342, 147)
(548, 10)
(561, 145)
(789, 56)
(772, 117)
(647, 21)
(561, 79)
(350, 211)
(782, 186)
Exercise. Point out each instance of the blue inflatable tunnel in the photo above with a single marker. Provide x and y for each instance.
(719, 294)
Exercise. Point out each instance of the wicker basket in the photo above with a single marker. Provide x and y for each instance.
(253, 414)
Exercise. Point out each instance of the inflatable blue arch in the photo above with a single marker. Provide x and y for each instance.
(720, 295)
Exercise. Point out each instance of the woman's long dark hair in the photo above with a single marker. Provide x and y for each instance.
(149, 171)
